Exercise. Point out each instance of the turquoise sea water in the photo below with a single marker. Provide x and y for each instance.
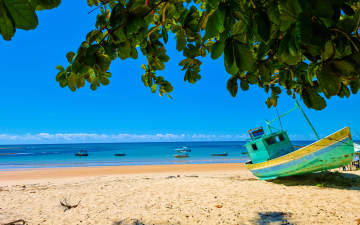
(63, 155)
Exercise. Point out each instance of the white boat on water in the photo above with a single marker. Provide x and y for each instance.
(356, 148)
(183, 149)
(356, 151)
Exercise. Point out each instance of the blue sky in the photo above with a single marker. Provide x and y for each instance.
(34, 109)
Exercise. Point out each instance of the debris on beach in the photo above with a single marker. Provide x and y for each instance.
(16, 222)
(68, 206)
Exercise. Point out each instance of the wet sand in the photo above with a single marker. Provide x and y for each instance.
(21, 176)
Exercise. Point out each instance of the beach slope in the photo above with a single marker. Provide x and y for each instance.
(169, 194)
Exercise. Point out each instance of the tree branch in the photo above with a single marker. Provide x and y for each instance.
(347, 36)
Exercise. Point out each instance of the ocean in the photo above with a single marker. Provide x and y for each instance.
(14, 157)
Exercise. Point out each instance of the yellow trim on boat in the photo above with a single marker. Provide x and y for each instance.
(320, 144)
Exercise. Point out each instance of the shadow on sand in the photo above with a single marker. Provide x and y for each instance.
(322, 179)
(128, 222)
(272, 218)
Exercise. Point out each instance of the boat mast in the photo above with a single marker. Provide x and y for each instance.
(307, 119)
(277, 113)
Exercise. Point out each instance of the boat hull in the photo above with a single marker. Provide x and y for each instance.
(333, 151)
(181, 156)
(221, 154)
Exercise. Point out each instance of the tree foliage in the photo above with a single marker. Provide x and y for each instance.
(305, 47)
(20, 14)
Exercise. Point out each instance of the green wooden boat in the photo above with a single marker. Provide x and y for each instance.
(273, 155)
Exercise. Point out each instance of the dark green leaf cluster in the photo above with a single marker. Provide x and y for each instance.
(21, 14)
(306, 47)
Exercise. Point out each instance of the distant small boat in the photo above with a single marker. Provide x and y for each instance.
(6, 153)
(219, 154)
(181, 156)
(183, 149)
(119, 154)
(82, 153)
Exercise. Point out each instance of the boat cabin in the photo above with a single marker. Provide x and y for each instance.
(262, 147)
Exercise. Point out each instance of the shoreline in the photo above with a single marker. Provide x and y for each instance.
(72, 172)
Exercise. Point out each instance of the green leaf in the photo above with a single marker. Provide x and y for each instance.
(134, 53)
(284, 51)
(344, 92)
(243, 56)
(164, 34)
(118, 16)
(217, 49)
(263, 25)
(134, 24)
(93, 2)
(180, 40)
(215, 24)
(310, 74)
(273, 13)
(346, 24)
(244, 84)
(60, 68)
(329, 82)
(312, 99)
(45, 4)
(289, 11)
(153, 88)
(92, 36)
(344, 66)
(232, 86)
(124, 50)
(104, 80)
(70, 56)
(212, 4)
(239, 27)
(229, 58)
(262, 50)
(7, 26)
(22, 13)
(265, 74)
(276, 90)
(329, 51)
(103, 61)
(119, 35)
(252, 78)
(191, 76)
(323, 8)
(354, 86)
(72, 82)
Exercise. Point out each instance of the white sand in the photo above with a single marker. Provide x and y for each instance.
(191, 197)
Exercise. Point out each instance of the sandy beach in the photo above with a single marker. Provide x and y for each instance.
(169, 194)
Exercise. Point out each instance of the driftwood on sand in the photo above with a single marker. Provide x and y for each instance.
(68, 206)
(16, 222)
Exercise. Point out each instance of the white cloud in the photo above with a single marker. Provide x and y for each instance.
(43, 138)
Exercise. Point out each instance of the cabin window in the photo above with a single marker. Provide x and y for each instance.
(254, 147)
(281, 137)
(270, 140)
